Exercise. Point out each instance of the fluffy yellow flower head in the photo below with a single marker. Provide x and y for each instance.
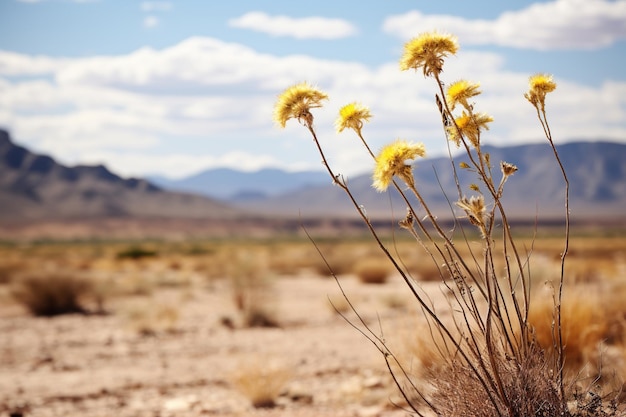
(459, 92)
(352, 116)
(296, 102)
(391, 161)
(470, 126)
(538, 86)
(427, 51)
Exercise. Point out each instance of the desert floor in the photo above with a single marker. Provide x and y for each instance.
(168, 339)
(116, 365)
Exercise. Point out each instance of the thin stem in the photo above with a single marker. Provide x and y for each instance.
(561, 356)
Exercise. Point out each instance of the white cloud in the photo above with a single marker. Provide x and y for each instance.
(560, 24)
(150, 22)
(204, 102)
(152, 6)
(299, 28)
(12, 63)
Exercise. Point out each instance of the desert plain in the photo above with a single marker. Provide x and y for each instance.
(247, 327)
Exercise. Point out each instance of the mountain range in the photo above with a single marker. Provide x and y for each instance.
(35, 187)
(232, 185)
(596, 173)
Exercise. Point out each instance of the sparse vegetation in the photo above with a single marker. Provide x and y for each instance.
(51, 294)
(261, 381)
(500, 348)
(372, 271)
(136, 252)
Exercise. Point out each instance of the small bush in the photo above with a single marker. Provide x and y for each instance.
(261, 381)
(51, 294)
(372, 271)
(136, 253)
(427, 271)
(260, 316)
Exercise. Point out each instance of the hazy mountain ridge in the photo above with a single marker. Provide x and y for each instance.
(36, 187)
(230, 184)
(596, 171)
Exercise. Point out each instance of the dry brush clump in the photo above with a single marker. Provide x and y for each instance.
(490, 358)
(251, 288)
(261, 380)
(372, 271)
(52, 293)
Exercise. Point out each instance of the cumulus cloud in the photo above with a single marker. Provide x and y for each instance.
(210, 102)
(299, 28)
(12, 63)
(560, 24)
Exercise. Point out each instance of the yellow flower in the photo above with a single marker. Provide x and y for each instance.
(459, 92)
(296, 102)
(469, 126)
(428, 51)
(352, 116)
(538, 86)
(391, 161)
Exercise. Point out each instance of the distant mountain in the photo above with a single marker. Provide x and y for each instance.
(230, 184)
(34, 187)
(596, 171)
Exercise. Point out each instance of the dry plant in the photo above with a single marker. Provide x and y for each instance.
(150, 318)
(250, 286)
(261, 381)
(52, 293)
(372, 271)
(491, 363)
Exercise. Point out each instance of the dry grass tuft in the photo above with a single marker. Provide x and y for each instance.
(51, 294)
(261, 381)
(149, 319)
(372, 271)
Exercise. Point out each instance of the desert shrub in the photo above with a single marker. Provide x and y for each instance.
(136, 252)
(251, 287)
(395, 301)
(427, 271)
(494, 363)
(51, 294)
(261, 381)
(583, 322)
(149, 318)
(339, 264)
(372, 271)
(260, 316)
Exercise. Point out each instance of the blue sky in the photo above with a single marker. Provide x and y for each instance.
(175, 87)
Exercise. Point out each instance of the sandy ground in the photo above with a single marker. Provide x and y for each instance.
(102, 365)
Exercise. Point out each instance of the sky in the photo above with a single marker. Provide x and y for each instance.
(172, 88)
